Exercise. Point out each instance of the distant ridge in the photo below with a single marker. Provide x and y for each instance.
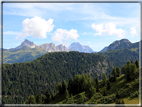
(49, 47)
(76, 46)
(120, 44)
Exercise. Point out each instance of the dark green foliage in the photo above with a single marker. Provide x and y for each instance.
(118, 71)
(64, 87)
(67, 94)
(104, 92)
(31, 100)
(97, 84)
(39, 99)
(114, 74)
(108, 85)
(27, 78)
(117, 94)
(129, 70)
(47, 96)
(137, 63)
(121, 56)
(119, 102)
(104, 79)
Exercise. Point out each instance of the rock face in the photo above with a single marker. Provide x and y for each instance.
(49, 47)
(78, 47)
(26, 43)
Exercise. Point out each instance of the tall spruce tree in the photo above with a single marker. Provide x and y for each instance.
(38, 99)
(114, 74)
(64, 87)
(118, 71)
(108, 85)
(97, 84)
(47, 96)
(137, 63)
(104, 79)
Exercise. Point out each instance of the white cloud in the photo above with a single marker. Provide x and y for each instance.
(109, 29)
(133, 31)
(84, 33)
(36, 27)
(10, 33)
(61, 35)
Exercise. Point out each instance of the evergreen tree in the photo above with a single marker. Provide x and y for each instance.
(114, 74)
(97, 84)
(52, 96)
(63, 87)
(104, 92)
(47, 97)
(104, 79)
(67, 94)
(118, 71)
(59, 88)
(108, 85)
(137, 63)
(38, 99)
(70, 86)
(31, 100)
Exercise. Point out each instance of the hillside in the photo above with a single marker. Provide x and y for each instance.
(117, 89)
(121, 56)
(22, 55)
(46, 71)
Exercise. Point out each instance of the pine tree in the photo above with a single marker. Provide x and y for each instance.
(97, 84)
(59, 88)
(118, 71)
(104, 79)
(108, 85)
(137, 63)
(31, 100)
(63, 87)
(67, 94)
(114, 74)
(38, 99)
(47, 97)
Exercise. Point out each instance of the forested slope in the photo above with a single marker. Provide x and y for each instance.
(22, 79)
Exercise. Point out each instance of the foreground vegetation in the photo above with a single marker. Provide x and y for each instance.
(122, 87)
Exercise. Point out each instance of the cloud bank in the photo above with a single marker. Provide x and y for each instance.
(109, 29)
(36, 27)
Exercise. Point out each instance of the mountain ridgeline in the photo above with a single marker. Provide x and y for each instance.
(46, 71)
(121, 44)
(28, 51)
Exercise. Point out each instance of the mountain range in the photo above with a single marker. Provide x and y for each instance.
(28, 51)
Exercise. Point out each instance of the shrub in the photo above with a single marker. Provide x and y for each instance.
(135, 94)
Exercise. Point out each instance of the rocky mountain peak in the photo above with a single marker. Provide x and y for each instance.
(27, 42)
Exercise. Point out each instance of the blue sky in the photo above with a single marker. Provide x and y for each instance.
(93, 24)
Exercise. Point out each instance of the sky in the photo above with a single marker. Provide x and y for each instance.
(94, 24)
